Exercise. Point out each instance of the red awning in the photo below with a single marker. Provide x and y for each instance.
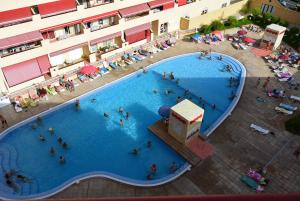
(133, 10)
(21, 72)
(20, 39)
(105, 38)
(157, 3)
(44, 64)
(137, 29)
(53, 54)
(61, 25)
(16, 15)
(181, 2)
(101, 16)
(56, 7)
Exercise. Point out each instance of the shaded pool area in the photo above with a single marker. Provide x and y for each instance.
(100, 146)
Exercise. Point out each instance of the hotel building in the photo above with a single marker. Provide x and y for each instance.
(42, 39)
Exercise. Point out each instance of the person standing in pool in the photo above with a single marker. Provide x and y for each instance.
(164, 76)
(77, 104)
(121, 122)
(121, 110)
(172, 77)
(127, 115)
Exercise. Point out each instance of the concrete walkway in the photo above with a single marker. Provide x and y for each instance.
(237, 148)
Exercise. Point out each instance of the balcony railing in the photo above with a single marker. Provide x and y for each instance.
(136, 16)
(20, 49)
(96, 28)
(91, 4)
(65, 36)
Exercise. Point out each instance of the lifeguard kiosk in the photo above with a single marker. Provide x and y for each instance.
(272, 37)
(185, 121)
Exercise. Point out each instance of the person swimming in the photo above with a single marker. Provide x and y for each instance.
(127, 115)
(186, 92)
(42, 138)
(34, 126)
(220, 57)
(134, 151)
(153, 168)
(168, 91)
(106, 115)
(121, 122)
(62, 160)
(213, 106)
(51, 130)
(93, 100)
(23, 178)
(52, 151)
(64, 145)
(149, 143)
(150, 176)
(59, 140)
(178, 99)
(77, 104)
(173, 167)
(155, 91)
(177, 82)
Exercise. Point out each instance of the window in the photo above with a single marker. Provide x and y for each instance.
(164, 28)
(204, 11)
(224, 5)
(265, 8)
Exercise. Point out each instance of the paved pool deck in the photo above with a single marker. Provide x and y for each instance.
(237, 148)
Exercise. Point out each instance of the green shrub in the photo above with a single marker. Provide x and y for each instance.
(231, 22)
(205, 29)
(293, 125)
(217, 25)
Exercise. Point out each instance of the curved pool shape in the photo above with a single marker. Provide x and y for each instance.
(99, 146)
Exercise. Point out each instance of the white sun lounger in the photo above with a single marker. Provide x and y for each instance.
(283, 111)
(259, 129)
(296, 98)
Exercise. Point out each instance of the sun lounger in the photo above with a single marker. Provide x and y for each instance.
(284, 75)
(276, 93)
(103, 70)
(143, 52)
(259, 129)
(244, 47)
(136, 57)
(288, 107)
(283, 111)
(51, 91)
(33, 94)
(121, 63)
(295, 98)
(113, 65)
(155, 49)
(251, 183)
(236, 46)
(17, 106)
(59, 88)
(164, 45)
(281, 70)
(83, 78)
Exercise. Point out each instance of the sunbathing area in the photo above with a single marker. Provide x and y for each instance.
(249, 151)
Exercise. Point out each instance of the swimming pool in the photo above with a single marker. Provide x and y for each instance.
(99, 146)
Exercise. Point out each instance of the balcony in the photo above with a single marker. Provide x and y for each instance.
(64, 36)
(19, 49)
(94, 3)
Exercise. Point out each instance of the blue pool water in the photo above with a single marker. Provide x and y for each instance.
(100, 144)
